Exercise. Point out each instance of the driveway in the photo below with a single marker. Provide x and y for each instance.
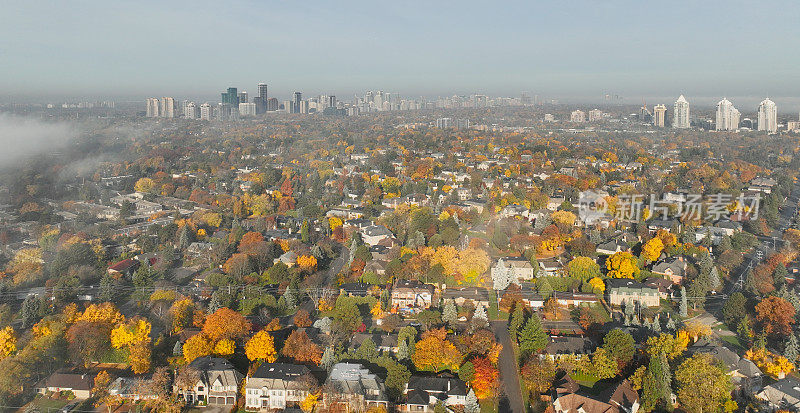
(511, 395)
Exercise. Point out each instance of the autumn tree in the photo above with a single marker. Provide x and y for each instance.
(197, 346)
(435, 353)
(583, 268)
(652, 249)
(703, 385)
(538, 375)
(8, 342)
(261, 347)
(485, 380)
(776, 315)
(225, 324)
(300, 348)
(622, 265)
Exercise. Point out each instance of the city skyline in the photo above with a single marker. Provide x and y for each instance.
(110, 49)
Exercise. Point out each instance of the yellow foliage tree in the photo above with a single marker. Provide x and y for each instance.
(564, 218)
(652, 249)
(224, 347)
(307, 262)
(8, 342)
(622, 265)
(597, 285)
(102, 313)
(144, 185)
(308, 404)
(197, 346)
(334, 222)
(261, 347)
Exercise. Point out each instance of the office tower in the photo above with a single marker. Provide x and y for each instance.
(247, 109)
(272, 104)
(190, 111)
(205, 111)
(262, 91)
(243, 97)
(681, 117)
(231, 97)
(288, 106)
(303, 107)
(577, 116)
(332, 101)
(727, 116)
(444, 123)
(153, 107)
(167, 107)
(298, 97)
(659, 115)
(595, 115)
(768, 116)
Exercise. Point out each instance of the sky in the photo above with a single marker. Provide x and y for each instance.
(558, 49)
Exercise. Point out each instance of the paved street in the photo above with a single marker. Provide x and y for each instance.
(511, 396)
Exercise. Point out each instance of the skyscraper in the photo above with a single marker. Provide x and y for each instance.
(659, 115)
(153, 107)
(768, 116)
(298, 97)
(205, 111)
(167, 107)
(577, 116)
(681, 119)
(190, 111)
(262, 99)
(727, 115)
(242, 97)
(231, 97)
(262, 91)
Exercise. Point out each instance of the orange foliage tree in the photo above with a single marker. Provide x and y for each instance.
(435, 353)
(225, 324)
(485, 380)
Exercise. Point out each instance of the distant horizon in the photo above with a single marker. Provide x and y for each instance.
(578, 48)
(786, 104)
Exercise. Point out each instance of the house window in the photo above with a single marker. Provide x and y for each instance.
(199, 388)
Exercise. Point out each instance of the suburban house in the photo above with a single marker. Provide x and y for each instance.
(560, 346)
(570, 299)
(277, 386)
(745, 375)
(218, 383)
(385, 343)
(529, 295)
(411, 295)
(623, 291)
(611, 247)
(461, 295)
(423, 393)
(673, 268)
(131, 388)
(521, 269)
(783, 395)
(552, 267)
(352, 387)
(80, 384)
(665, 287)
(569, 397)
(374, 234)
(125, 267)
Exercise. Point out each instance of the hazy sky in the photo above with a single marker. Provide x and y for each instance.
(431, 47)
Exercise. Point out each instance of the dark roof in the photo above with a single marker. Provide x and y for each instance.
(441, 387)
(73, 381)
(281, 371)
(569, 345)
(211, 363)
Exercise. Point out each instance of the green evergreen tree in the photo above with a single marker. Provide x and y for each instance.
(545, 289)
(402, 351)
(532, 338)
(750, 283)
(516, 322)
(450, 313)
(328, 359)
(684, 306)
(779, 275)
(792, 349)
(304, 232)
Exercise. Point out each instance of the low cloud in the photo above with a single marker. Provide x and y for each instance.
(22, 137)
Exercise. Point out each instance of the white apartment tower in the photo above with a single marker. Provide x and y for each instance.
(595, 115)
(205, 111)
(153, 107)
(659, 115)
(577, 116)
(727, 115)
(190, 110)
(167, 107)
(768, 116)
(681, 119)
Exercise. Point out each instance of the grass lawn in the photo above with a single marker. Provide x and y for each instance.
(584, 379)
(489, 406)
(733, 340)
(45, 403)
